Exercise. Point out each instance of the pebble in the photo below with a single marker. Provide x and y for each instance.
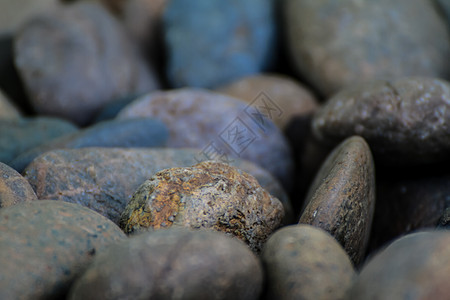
(114, 133)
(222, 126)
(212, 42)
(415, 266)
(104, 179)
(207, 195)
(23, 134)
(305, 262)
(7, 109)
(405, 121)
(338, 44)
(14, 189)
(173, 264)
(341, 199)
(45, 245)
(75, 60)
(278, 97)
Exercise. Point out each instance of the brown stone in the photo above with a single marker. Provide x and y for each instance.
(14, 189)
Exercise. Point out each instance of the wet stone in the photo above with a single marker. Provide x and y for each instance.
(405, 121)
(45, 245)
(14, 189)
(207, 195)
(341, 199)
(173, 264)
(305, 262)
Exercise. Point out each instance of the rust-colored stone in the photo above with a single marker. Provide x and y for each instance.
(14, 189)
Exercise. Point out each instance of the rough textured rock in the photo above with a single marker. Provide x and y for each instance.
(305, 262)
(14, 189)
(104, 179)
(277, 97)
(212, 42)
(405, 121)
(7, 110)
(77, 59)
(220, 125)
(341, 199)
(335, 44)
(114, 133)
(23, 134)
(207, 195)
(45, 245)
(413, 267)
(173, 264)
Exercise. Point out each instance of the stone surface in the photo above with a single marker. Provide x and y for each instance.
(77, 59)
(336, 44)
(104, 179)
(45, 245)
(445, 7)
(222, 126)
(115, 133)
(405, 121)
(14, 189)
(207, 195)
(413, 267)
(341, 199)
(7, 109)
(305, 262)
(19, 136)
(212, 42)
(278, 97)
(173, 264)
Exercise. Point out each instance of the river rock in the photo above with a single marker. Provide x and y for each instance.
(305, 262)
(207, 195)
(7, 109)
(45, 245)
(341, 199)
(220, 125)
(115, 133)
(212, 42)
(413, 267)
(405, 121)
(173, 264)
(14, 189)
(336, 44)
(75, 60)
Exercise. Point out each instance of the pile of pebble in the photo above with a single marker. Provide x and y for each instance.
(208, 149)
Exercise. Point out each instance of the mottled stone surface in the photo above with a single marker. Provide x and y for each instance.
(173, 264)
(7, 110)
(413, 267)
(278, 97)
(341, 199)
(45, 245)
(14, 189)
(305, 262)
(404, 121)
(207, 195)
(212, 42)
(104, 179)
(115, 133)
(220, 125)
(23, 134)
(77, 59)
(335, 44)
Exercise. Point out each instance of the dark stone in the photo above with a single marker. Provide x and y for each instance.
(14, 189)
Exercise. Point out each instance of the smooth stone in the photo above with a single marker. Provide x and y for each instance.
(278, 97)
(334, 45)
(341, 199)
(212, 42)
(7, 110)
(445, 7)
(45, 245)
(115, 133)
(110, 110)
(14, 189)
(405, 121)
(75, 60)
(173, 264)
(19, 136)
(305, 262)
(104, 179)
(413, 267)
(209, 195)
(220, 125)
